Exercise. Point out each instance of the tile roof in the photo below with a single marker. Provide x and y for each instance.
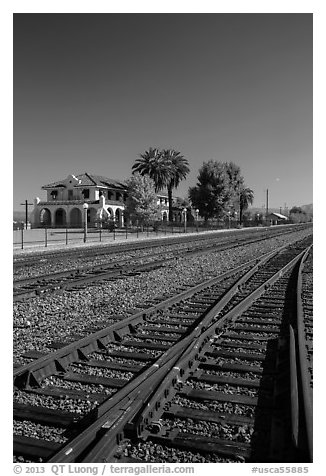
(107, 182)
(54, 184)
(89, 180)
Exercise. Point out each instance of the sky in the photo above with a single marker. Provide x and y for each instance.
(93, 91)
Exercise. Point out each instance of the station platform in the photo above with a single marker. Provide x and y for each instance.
(56, 240)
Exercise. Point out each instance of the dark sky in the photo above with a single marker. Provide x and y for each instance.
(92, 91)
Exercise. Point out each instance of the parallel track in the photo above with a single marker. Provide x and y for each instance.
(31, 259)
(29, 287)
(131, 361)
(38, 257)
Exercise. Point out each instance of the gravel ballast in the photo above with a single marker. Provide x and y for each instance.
(44, 319)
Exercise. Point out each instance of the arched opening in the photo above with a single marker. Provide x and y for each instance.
(76, 218)
(60, 217)
(118, 217)
(91, 216)
(45, 217)
(110, 212)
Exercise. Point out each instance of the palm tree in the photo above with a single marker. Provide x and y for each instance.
(167, 168)
(151, 163)
(246, 199)
(178, 168)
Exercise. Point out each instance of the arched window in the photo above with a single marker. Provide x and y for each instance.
(60, 218)
(76, 217)
(45, 217)
(91, 216)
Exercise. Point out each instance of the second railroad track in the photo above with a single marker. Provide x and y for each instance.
(205, 376)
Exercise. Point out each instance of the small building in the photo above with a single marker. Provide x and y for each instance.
(177, 208)
(163, 203)
(276, 218)
(64, 205)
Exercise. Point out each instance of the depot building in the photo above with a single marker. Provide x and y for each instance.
(98, 197)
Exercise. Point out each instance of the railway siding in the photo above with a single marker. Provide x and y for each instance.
(147, 346)
(55, 317)
(208, 421)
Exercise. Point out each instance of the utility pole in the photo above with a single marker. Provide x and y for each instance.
(285, 210)
(266, 203)
(26, 211)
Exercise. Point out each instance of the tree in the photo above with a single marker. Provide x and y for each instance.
(297, 215)
(178, 168)
(182, 202)
(246, 199)
(248, 216)
(218, 185)
(296, 210)
(152, 164)
(167, 168)
(235, 178)
(141, 203)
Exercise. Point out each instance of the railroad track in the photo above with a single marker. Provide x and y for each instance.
(114, 395)
(29, 260)
(38, 258)
(70, 279)
(301, 348)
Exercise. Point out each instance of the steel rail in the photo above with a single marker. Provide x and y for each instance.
(90, 277)
(123, 247)
(134, 246)
(32, 373)
(221, 241)
(108, 430)
(302, 403)
(113, 271)
(203, 334)
(114, 268)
